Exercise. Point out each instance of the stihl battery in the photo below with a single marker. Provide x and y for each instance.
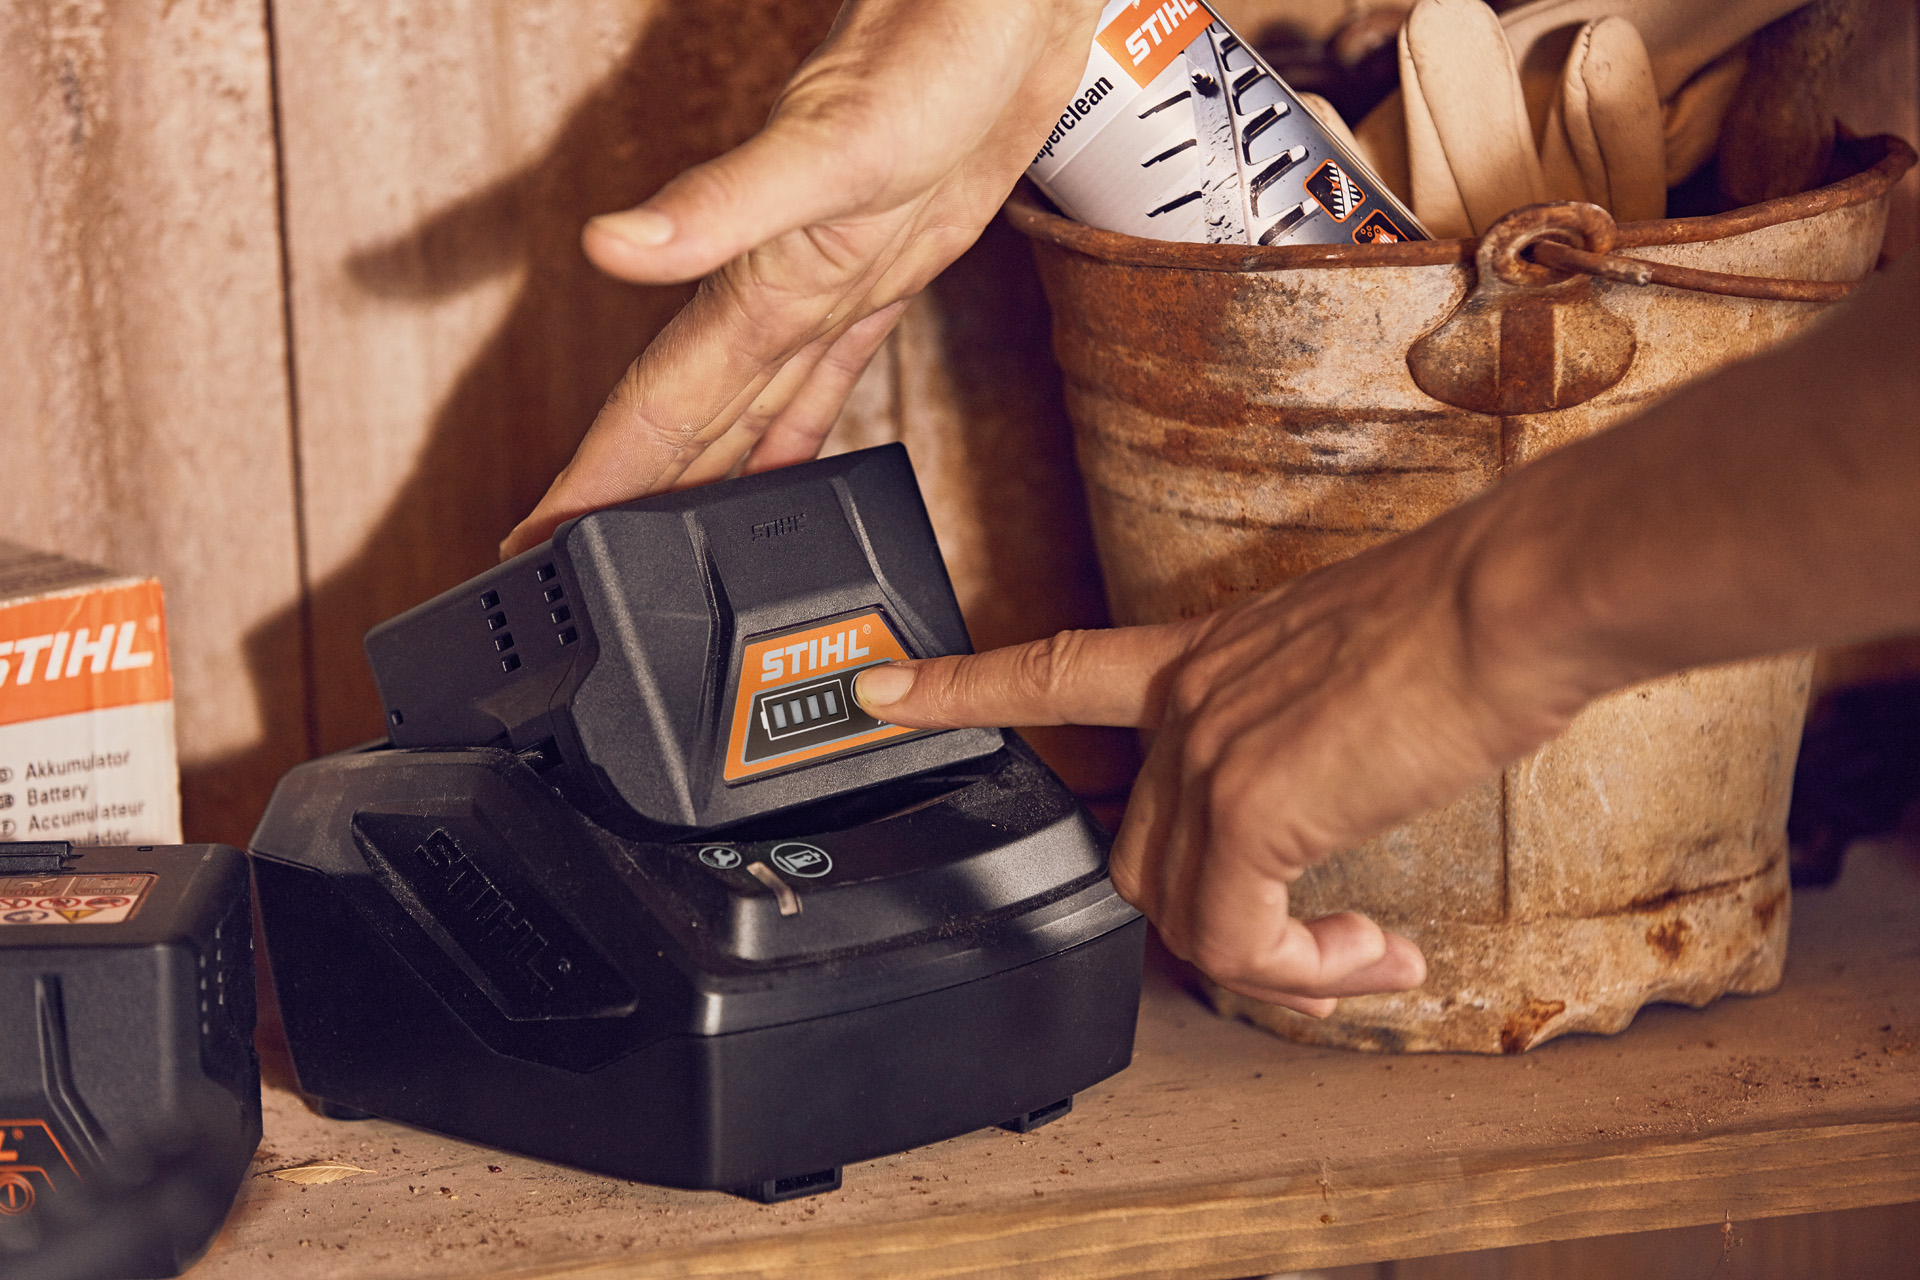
(1181, 131)
(686, 662)
(129, 1090)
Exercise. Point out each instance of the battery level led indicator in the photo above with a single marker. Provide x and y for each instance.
(790, 711)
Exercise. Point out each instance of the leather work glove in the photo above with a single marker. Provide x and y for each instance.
(1604, 140)
(1471, 154)
(1692, 115)
(1584, 81)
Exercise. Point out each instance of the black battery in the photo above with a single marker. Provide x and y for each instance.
(686, 662)
(129, 1089)
(672, 908)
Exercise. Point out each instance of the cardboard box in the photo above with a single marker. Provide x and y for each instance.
(86, 705)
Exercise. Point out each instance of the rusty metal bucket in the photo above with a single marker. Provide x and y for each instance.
(1243, 415)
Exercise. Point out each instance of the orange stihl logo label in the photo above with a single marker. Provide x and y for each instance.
(794, 700)
(1146, 36)
(82, 652)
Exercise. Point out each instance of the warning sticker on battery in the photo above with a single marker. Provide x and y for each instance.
(107, 899)
(795, 695)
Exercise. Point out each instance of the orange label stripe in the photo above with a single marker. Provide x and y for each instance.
(1149, 34)
(83, 651)
(792, 658)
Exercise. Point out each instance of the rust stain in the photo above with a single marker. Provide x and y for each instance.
(1669, 940)
(1883, 161)
(1652, 902)
(1764, 912)
(1527, 1022)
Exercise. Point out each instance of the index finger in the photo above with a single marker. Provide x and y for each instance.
(1112, 677)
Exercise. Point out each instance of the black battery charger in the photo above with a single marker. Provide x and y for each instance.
(635, 885)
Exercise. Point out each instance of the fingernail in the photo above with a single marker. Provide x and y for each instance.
(881, 686)
(637, 226)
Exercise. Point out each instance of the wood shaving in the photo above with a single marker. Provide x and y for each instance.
(317, 1173)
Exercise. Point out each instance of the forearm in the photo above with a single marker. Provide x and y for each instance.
(1772, 506)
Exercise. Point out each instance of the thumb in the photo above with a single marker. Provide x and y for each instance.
(778, 180)
(1076, 677)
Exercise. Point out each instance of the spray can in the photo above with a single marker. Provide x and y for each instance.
(1180, 131)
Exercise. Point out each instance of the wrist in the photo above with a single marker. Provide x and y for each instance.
(1533, 625)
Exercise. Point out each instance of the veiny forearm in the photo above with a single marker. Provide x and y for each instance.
(1772, 506)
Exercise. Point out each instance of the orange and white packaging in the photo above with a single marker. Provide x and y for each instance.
(1181, 131)
(86, 705)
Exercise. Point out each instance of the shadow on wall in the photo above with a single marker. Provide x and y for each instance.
(683, 93)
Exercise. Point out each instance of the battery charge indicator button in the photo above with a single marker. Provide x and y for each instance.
(793, 701)
(796, 720)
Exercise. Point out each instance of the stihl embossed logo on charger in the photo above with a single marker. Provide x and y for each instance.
(795, 695)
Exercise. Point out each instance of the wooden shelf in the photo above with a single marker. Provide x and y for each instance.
(1222, 1151)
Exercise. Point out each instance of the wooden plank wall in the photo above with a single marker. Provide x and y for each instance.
(450, 343)
(144, 416)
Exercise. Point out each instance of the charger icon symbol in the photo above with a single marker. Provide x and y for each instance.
(798, 859)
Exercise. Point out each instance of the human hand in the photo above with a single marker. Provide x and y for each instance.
(1312, 717)
(1286, 728)
(887, 153)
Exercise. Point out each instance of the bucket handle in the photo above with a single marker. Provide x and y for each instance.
(1527, 338)
(1530, 337)
(1639, 271)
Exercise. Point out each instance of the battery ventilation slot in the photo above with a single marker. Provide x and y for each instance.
(226, 994)
(496, 619)
(555, 595)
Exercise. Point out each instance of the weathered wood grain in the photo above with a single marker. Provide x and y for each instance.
(1855, 1244)
(451, 341)
(1221, 1149)
(1410, 1210)
(143, 395)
